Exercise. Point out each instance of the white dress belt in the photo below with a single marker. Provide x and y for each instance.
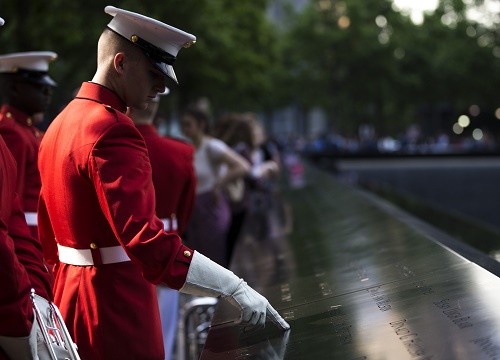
(169, 224)
(31, 218)
(83, 257)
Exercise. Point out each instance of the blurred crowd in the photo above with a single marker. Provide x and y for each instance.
(413, 141)
(237, 169)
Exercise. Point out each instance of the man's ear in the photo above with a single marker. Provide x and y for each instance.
(119, 62)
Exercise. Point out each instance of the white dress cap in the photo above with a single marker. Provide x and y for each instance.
(33, 65)
(2, 21)
(160, 42)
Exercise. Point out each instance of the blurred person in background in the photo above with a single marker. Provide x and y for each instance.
(264, 200)
(265, 154)
(175, 188)
(236, 132)
(253, 199)
(267, 217)
(216, 165)
(26, 94)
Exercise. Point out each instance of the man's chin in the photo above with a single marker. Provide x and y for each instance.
(142, 106)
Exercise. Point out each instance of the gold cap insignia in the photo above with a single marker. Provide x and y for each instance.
(188, 44)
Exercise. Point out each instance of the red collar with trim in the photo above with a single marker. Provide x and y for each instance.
(101, 94)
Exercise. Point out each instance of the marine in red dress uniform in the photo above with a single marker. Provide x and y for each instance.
(15, 305)
(174, 180)
(97, 193)
(21, 266)
(27, 93)
(96, 213)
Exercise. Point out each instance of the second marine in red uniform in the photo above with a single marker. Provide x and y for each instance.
(27, 91)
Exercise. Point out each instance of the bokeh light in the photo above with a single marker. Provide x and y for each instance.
(457, 129)
(464, 121)
(477, 134)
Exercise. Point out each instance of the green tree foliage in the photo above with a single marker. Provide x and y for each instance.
(360, 61)
(229, 64)
(363, 62)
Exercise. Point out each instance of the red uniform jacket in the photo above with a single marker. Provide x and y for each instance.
(23, 140)
(21, 266)
(173, 177)
(97, 189)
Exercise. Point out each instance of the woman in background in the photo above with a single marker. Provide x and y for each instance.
(216, 165)
(237, 133)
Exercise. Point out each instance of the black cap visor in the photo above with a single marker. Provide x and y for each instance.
(162, 66)
(36, 77)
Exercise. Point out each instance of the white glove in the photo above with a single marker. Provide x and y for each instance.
(207, 278)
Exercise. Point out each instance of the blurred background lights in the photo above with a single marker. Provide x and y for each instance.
(381, 21)
(464, 121)
(383, 37)
(496, 51)
(474, 110)
(399, 53)
(344, 22)
(477, 134)
(325, 5)
(497, 113)
(457, 129)
(471, 31)
(415, 9)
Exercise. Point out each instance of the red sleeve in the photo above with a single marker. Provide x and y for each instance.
(121, 172)
(16, 312)
(18, 150)
(186, 205)
(29, 252)
(46, 236)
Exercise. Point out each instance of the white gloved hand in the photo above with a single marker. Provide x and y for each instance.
(207, 278)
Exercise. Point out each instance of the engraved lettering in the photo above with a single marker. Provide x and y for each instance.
(341, 329)
(454, 314)
(381, 301)
(397, 324)
(423, 287)
(408, 337)
(286, 294)
(406, 271)
(487, 347)
(410, 340)
(443, 304)
(343, 332)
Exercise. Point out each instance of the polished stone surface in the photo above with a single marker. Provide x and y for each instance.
(356, 280)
